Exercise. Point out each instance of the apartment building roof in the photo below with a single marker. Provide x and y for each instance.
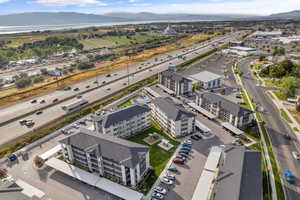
(171, 109)
(175, 76)
(224, 103)
(205, 76)
(120, 150)
(124, 114)
(240, 176)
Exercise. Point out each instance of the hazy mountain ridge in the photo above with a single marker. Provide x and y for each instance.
(60, 18)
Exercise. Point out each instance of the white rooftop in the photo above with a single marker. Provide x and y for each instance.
(243, 48)
(205, 184)
(232, 128)
(205, 76)
(50, 152)
(94, 180)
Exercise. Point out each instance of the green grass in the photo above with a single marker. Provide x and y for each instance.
(285, 116)
(246, 102)
(279, 95)
(158, 157)
(276, 171)
(296, 129)
(272, 83)
(125, 104)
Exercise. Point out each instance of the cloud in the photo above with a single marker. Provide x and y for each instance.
(70, 2)
(3, 1)
(132, 1)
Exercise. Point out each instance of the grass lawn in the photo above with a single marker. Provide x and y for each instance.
(125, 104)
(246, 102)
(158, 157)
(279, 96)
(284, 115)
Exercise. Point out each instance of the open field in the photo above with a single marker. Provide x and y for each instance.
(16, 95)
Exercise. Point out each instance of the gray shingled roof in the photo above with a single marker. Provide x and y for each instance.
(124, 114)
(175, 76)
(224, 103)
(173, 111)
(240, 176)
(122, 151)
(205, 76)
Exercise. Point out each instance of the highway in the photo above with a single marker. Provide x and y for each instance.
(276, 128)
(138, 72)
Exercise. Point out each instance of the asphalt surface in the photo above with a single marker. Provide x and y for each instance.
(13, 129)
(276, 128)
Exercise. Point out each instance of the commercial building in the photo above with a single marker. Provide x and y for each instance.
(241, 51)
(173, 118)
(207, 80)
(224, 109)
(267, 34)
(230, 173)
(126, 122)
(175, 82)
(119, 159)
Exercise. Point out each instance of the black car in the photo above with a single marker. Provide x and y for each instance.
(39, 112)
(33, 101)
(76, 89)
(42, 101)
(287, 136)
(95, 82)
(87, 86)
(184, 151)
(183, 154)
(108, 75)
(194, 137)
(198, 136)
(55, 100)
(103, 82)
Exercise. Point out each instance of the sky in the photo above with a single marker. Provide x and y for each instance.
(255, 7)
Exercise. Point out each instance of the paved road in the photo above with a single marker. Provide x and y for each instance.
(14, 129)
(276, 128)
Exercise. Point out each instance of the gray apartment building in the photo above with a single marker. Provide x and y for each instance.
(126, 122)
(174, 118)
(224, 109)
(175, 82)
(107, 156)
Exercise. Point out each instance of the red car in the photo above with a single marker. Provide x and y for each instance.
(178, 161)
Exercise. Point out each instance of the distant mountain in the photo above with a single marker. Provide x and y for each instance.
(54, 18)
(147, 16)
(63, 18)
(286, 15)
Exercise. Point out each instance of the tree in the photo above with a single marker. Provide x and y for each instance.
(262, 57)
(23, 82)
(288, 86)
(298, 107)
(196, 86)
(38, 161)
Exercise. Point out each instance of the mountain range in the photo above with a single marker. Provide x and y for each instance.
(60, 18)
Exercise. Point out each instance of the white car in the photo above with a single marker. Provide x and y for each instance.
(160, 190)
(296, 155)
(167, 181)
(170, 177)
(157, 195)
(188, 141)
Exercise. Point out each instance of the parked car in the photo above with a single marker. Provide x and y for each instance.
(29, 123)
(178, 161)
(185, 148)
(12, 157)
(170, 177)
(157, 195)
(183, 154)
(289, 177)
(184, 151)
(181, 157)
(188, 142)
(33, 101)
(194, 138)
(160, 190)
(98, 112)
(172, 169)
(55, 100)
(296, 155)
(198, 136)
(166, 181)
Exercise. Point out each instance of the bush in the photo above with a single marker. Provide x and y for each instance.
(38, 161)
(23, 82)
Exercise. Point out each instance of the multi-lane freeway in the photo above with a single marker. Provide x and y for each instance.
(276, 128)
(106, 86)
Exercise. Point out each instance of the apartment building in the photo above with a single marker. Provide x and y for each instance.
(224, 109)
(116, 158)
(207, 80)
(126, 122)
(175, 82)
(172, 117)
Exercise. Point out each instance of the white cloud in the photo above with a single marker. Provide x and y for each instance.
(71, 2)
(132, 1)
(3, 1)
